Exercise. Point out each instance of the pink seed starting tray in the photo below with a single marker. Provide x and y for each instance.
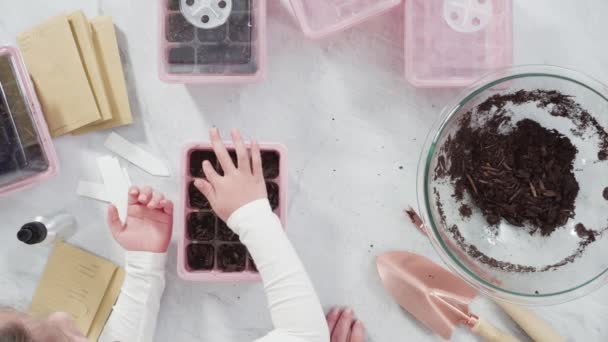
(208, 251)
(319, 19)
(450, 43)
(216, 41)
(27, 155)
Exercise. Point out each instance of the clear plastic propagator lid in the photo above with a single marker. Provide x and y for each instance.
(322, 18)
(27, 155)
(212, 41)
(455, 42)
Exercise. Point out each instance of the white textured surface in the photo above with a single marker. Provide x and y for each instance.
(349, 120)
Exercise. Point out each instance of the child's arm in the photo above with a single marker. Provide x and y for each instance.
(239, 198)
(145, 236)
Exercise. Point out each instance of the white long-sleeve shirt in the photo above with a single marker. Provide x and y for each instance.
(294, 306)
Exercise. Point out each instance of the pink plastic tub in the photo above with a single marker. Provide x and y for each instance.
(203, 234)
(234, 52)
(27, 155)
(450, 43)
(319, 19)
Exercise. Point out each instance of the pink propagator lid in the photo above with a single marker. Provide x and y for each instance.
(319, 19)
(27, 155)
(451, 43)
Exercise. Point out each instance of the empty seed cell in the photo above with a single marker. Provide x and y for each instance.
(182, 55)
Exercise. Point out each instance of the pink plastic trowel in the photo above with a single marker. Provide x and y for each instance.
(433, 295)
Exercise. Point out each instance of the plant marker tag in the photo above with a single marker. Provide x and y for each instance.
(136, 155)
(117, 185)
(92, 190)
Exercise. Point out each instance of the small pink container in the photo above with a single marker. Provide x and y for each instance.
(277, 176)
(232, 53)
(452, 43)
(319, 19)
(27, 155)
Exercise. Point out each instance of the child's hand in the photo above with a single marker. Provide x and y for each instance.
(343, 327)
(149, 222)
(240, 184)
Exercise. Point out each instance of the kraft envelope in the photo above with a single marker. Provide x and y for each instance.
(84, 40)
(80, 284)
(53, 61)
(108, 54)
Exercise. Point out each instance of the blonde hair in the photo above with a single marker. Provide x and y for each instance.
(14, 332)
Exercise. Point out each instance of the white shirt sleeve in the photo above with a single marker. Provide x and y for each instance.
(294, 306)
(133, 318)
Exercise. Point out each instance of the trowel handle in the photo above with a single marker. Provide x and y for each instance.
(538, 329)
(491, 333)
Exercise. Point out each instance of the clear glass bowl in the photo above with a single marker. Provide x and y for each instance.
(585, 269)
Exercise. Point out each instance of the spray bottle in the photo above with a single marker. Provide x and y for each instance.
(45, 230)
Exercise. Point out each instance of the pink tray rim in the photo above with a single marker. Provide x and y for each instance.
(453, 82)
(341, 25)
(39, 120)
(216, 276)
(167, 77)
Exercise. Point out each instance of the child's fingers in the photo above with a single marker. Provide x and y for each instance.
(206, 188)
(145, 195)
(167, 206)
(221, 152)
(210, 172)
(358, 332)
(155, 201)
(241, 152)
(342, 330)
(332, 318)
(133, 195)
(256, 159)
(114, 221)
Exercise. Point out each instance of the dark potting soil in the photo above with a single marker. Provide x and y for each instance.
(197, 199)
(179, 30)
(232, 258)
(229, 44)
(8, 139)
(252, 266)
(525, 176)
(465, 211)
(196, 162)
(224, 233)
(587, 237)
(233, 157)
(201, 256)
(173, 5)
(213, 35)
(273, 194)
(201, 226)
(557, 104)
(271, 162)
